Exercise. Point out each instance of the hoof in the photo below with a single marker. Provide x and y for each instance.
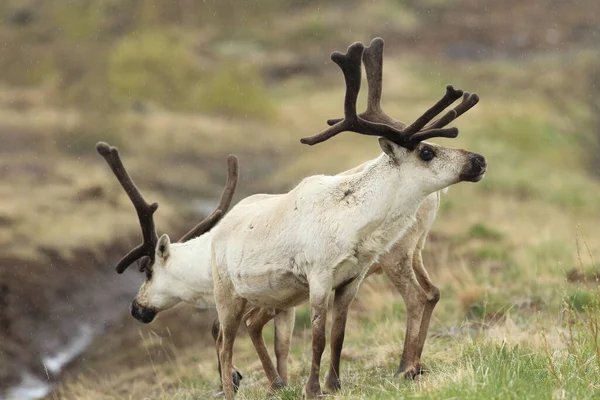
(408, 373)
(421, 369)
(236, 377)
(332, 385)
(312, 392)
(277, 384)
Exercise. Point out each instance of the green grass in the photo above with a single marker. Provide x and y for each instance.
(480, 369)
(580, 299)
(484, 232)
(178, 88)
(236, 90)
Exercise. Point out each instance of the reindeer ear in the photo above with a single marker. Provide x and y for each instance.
(393, 151)
(388, 147)
(163, 247)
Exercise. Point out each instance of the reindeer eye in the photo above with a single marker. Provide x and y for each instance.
(426, 153)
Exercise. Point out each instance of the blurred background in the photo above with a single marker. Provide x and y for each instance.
(178, 85)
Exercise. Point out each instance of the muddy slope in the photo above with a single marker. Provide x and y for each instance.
(47, 317)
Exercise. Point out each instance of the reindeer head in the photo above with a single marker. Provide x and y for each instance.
(431, 167)
(156, 256)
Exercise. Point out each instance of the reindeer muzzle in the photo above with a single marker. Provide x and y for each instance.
(141, 313)
(475, 168)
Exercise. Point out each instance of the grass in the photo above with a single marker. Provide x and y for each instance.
(500, 254)
(177, 92)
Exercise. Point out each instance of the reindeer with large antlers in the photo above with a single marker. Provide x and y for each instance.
(181, 272)
(325, 234)
(404, 263)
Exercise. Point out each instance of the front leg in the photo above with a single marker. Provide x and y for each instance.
(319, 299)
(236, 376)
(343, 298)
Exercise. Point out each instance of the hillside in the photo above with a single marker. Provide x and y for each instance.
(177, 91)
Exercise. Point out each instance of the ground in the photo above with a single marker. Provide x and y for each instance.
(513, 254)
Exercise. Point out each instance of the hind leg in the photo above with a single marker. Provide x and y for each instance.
(398, 267)
(432, 293)
(415, 300)
(284, 327)
(255, 322)
(406, 271)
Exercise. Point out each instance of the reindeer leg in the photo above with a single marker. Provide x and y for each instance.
(230, 322)
(236, 376)
(343, 298)
(433, 296)
(320, 290)
(415, 300)
(230, 309)
(255, 324)
(398, 267)
(284, 327)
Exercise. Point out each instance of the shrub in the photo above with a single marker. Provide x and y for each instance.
(153, 66)
(236, 90)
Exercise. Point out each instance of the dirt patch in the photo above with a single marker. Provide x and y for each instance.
(44, 306)
(576, 275)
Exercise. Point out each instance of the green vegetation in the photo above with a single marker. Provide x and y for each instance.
(237, 90)
(179, 85)
(582, 300)
(484, 232)
(155, 66)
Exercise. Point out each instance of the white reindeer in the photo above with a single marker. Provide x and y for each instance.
(188, 276)
(278, 251)
(181, 272)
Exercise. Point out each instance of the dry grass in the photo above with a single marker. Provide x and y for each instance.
(500, 252)
(500, 249)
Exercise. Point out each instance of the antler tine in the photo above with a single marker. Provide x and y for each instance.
(449, 97)
(144, 210)
(350, 66)
(373, 60)
(374, 121)
(469, 101)
(431, 133)
(209, 222)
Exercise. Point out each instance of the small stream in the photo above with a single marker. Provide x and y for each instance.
(32, 387)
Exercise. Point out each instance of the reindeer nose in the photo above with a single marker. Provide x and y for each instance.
(135, 310)
(142, 314)
(478, 162)
(474, 168)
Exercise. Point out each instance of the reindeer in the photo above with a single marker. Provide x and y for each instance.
(324, 235)
(181, 272)
(403, 264)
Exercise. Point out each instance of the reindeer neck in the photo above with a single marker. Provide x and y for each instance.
(382, 187)
(384, 202)
(191, 264)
